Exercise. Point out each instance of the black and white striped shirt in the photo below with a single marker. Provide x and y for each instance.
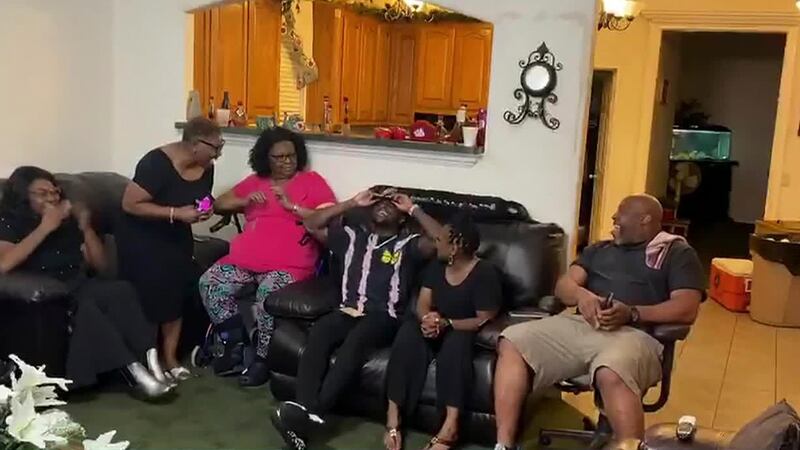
(377, 271)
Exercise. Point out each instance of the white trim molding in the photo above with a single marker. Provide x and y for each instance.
(725, 19)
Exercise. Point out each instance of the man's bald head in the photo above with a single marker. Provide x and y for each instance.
(638, 219)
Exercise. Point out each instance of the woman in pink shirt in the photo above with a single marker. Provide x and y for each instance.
(274, 249)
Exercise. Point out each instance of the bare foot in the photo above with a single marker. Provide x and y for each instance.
(392, 439)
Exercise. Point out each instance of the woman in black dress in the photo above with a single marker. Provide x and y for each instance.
(43, 233)
(460, 294)
(155, 234)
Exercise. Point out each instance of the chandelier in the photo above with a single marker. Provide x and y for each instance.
(617, 15)
(405, 10)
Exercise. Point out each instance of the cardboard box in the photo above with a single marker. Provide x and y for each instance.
(775, 297)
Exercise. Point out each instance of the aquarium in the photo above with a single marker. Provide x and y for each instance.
(700, 145)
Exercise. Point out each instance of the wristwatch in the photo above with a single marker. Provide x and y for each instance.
(448, 323)
(634, 315)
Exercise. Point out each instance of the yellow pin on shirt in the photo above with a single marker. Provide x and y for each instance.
(389, 257)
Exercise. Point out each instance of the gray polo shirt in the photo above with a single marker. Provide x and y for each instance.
(621, 269)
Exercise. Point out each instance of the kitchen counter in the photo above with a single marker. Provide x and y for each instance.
(368, 142)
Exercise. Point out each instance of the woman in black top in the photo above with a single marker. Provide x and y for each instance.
(43, 233)
(155, 237)
(460, 294)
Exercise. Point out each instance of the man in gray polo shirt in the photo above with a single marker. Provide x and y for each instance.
(653, 278)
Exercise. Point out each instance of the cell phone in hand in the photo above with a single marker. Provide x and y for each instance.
(204, 205)
(608, 302)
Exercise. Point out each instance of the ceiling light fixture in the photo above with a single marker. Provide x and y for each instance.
(617, 15)
(404, 10)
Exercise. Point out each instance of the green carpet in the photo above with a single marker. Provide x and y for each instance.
(214, 413)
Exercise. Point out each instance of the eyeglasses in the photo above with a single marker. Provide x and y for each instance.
(46, 193)
(286, 157)
(217, 147)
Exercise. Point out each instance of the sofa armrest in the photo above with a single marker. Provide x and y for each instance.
(551, 304)
(670, 332)
(31, 288)
(490, 333)
(307, 300)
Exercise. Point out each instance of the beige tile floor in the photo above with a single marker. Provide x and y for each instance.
(727, 372)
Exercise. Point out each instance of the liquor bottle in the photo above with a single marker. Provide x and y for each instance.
(327, 125)
(346, 120)
(481, 141)
(212, 110)
(226, 101)
(441, 130)
(239, 118)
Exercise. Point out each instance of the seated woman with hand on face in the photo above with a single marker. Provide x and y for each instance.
(274, 249)
(460, 293)
(41, 232)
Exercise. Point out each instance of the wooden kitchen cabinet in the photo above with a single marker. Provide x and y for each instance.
(237, 49)
(227, 54)
(263, 58)
(382, 80)
(402, 69)
(328, 22)
(471, 66)
(365, 91)
(435, 68)
(202, 68)
(351, 61)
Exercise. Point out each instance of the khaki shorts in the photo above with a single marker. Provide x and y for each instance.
(566, 347)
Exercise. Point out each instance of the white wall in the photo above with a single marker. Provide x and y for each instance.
(56, 84)
(736, 77)
(527, 163)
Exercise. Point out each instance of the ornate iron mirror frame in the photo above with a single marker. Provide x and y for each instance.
(535, 100)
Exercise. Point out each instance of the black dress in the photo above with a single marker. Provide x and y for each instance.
(108, 329)
(412, 353)
(155, 255)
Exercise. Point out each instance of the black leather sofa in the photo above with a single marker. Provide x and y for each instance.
(34, 310)
(530, 255)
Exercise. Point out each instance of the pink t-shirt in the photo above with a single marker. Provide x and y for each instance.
(272, 236)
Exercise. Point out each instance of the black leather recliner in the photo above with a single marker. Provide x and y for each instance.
(529, 255)
(34, 310)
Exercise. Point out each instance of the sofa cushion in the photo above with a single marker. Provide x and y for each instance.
(31, 288)
(530, 257)
(307, 300)
(101, 192)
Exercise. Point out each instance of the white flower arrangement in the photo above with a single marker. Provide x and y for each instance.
(22, 427)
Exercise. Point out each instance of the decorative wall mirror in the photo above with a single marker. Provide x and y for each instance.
(538, 79)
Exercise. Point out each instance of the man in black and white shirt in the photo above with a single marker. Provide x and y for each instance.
(379, 263)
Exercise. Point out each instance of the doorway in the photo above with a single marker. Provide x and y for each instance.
(712, 135)
(599, 106)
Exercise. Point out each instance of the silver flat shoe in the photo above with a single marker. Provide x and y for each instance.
(146, 383)
(180, 373)
(154, 365)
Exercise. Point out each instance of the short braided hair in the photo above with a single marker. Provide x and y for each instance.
(464, 233)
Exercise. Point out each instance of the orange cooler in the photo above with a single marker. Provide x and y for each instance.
(730, 283)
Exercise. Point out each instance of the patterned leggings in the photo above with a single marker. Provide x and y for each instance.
(222, 284)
